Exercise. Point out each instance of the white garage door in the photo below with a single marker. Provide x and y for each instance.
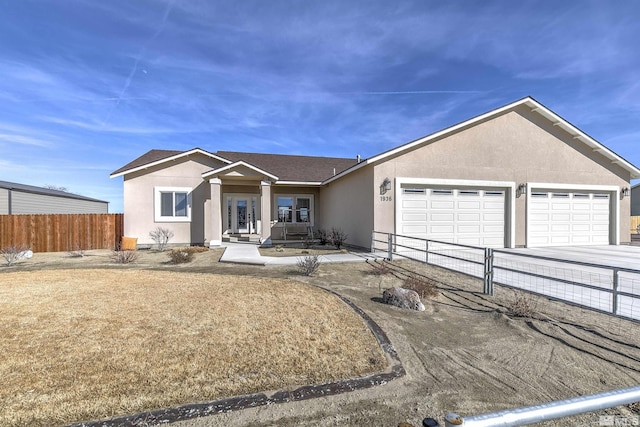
(466, 216)
(558, 218)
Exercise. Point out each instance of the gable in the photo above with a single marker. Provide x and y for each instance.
(537, 113)
(517, 143)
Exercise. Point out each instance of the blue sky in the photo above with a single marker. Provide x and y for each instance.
(87, 86)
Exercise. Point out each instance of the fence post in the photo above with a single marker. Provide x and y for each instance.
(390, 247)
(426, 251)
(488, 271)
(616, 278)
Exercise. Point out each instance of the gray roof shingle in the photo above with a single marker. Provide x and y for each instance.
(285, 167)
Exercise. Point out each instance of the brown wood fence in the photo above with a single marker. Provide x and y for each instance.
(61, 232)
(635, 222)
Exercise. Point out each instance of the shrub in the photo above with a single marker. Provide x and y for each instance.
(124, 257)
(12, 254)
(522, 305)
(161, 236)
(78, 251)
(308, 265)
(422, 285)
(181, 255)
(337, 237)
(323, 237)
(381, 269)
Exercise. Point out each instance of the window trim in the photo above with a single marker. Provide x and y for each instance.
(294, 201)
(157, 208)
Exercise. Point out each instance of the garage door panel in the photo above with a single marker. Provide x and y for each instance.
(411, 229)
(411, 216)
(442, 204)
(414, 204)
(466, 216)
(469, 205)
(568, 218)
(438, 217)
(469, 216)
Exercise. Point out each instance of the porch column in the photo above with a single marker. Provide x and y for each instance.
(265, 212)
(216, 212)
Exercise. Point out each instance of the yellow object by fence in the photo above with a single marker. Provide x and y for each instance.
(129, 244)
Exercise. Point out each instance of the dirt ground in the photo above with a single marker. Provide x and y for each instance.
(464, 354)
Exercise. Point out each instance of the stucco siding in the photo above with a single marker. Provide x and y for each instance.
(139, 199)
(31, 203)
(518, 147)
(348, 204)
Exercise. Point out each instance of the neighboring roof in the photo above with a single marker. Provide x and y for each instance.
(44, 191)
(155, 157)
(290, 168)
(529, 102)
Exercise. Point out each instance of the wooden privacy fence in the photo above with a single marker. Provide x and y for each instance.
(635, 222)
(61, 232)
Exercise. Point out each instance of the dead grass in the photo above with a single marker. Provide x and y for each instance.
(78, 345)
(296, 249)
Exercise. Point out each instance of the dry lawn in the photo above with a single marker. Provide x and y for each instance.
(296, 249)
(78, 345)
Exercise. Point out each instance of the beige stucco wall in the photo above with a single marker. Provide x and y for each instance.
(348, 204)
(519, 147)
(139, 199)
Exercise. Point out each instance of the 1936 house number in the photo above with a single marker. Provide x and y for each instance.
(386, 198)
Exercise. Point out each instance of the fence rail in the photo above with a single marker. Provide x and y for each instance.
(608, 289)
(61, 232)
(553, 410)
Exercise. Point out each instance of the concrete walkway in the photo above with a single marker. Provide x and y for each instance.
(246, 253)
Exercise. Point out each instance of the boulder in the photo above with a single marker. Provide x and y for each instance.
(28, 254)
(403, 298)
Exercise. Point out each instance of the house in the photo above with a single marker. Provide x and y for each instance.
(516, 176)
(27, 199)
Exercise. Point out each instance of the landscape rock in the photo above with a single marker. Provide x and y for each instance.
(403, 298)
(28, 254)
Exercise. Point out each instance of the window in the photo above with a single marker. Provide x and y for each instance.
(414, 190)
(295, 208)
(172, 204)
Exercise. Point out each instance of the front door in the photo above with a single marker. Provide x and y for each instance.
(242, 219)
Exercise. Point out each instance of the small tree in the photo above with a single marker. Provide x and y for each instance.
(161, 236)
(12, 254)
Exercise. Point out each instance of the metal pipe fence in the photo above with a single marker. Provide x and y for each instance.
(607, 289)
(551, 410)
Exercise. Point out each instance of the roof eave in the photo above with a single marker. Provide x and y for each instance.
(169, 159)
(535, 107)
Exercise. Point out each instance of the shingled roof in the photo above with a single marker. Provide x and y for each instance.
(293, 168)
(285, 167)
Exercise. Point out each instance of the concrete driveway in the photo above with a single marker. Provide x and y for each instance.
(624, 256)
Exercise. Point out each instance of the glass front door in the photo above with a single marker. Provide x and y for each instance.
(242, 216)
(240, 213)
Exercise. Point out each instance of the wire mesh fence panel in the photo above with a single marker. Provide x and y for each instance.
(609, 289)
(628, 301)
(466, 260)
(588, 285)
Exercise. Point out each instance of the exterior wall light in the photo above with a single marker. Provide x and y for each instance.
(385, 186)
(625, 192)
(522, 189)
